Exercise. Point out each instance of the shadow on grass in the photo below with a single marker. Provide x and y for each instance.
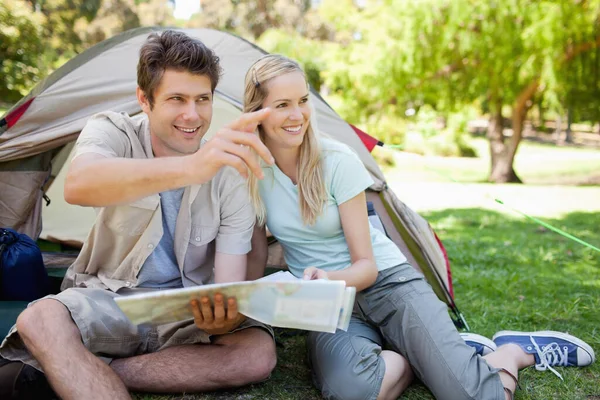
(508, 274)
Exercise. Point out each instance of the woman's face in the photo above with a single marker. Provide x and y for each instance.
(290, 112)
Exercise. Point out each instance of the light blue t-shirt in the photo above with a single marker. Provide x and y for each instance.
(323, 244)
(160, 270)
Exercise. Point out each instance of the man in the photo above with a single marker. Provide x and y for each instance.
(169, 210)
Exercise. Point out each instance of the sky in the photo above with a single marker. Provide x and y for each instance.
(185, 8)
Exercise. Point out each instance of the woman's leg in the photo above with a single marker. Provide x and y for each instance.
(415, 323)
(398, 375)
(509, 359)
(351, 365)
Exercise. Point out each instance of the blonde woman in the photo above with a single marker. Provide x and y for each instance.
(313, 201)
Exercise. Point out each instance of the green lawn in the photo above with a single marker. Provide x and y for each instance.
(535, 163)
(511, 274)
(508, 274)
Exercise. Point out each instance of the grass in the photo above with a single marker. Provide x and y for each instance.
(508, 274)
(511, 274)
(547, 201)
(535, 163)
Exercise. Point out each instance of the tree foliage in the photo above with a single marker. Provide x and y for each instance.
(21, 45)
(61, 19)
(451, 53)
(37, 36)
(376, 61)
(307, 52)
(252, 18)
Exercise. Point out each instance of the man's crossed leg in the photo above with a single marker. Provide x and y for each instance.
(67, 336)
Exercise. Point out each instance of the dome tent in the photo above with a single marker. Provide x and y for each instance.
(38, 134)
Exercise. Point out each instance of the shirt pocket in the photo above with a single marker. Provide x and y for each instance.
(203, 234)
(131, 219)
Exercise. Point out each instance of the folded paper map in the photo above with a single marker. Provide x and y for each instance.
(279, 300)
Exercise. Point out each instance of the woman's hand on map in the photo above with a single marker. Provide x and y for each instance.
(217, 319)
(312, 273)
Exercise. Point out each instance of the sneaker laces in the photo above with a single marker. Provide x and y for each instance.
(551, 354)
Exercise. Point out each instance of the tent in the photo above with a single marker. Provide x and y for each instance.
(38, 133)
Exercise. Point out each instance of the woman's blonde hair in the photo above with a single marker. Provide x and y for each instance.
(311, 185)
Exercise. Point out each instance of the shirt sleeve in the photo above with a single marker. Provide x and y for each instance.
(349, 176)
(101, 136)
(237, 215)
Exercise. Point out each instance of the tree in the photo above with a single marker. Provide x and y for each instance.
(288, 27)
(21, 45)
(448, 53)
(38, 36)
(62, 18)
(306, 51)
(252, 18)
(116, 16)
(580, 99)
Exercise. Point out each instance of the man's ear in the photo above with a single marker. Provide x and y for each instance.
(142, 100)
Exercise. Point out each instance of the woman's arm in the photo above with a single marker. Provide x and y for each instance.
(362, 273)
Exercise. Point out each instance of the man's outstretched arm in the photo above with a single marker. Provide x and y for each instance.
(99, 181)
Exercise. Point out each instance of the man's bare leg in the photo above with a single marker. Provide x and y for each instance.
(232, 360)
(398, 375)
(53, 339)
(512, 358)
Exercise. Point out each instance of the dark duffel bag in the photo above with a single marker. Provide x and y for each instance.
(22, 273)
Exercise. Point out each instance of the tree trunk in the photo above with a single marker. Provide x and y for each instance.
(501, 167)
(542, 116)
(558, 129)
(502, 154)
(568, 133)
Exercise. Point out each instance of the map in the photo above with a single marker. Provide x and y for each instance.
(279, 299)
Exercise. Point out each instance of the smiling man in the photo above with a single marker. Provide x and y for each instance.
(172, 212)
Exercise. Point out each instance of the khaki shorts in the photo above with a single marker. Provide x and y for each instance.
(107, 332)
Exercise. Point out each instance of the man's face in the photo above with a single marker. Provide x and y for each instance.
(181, 113)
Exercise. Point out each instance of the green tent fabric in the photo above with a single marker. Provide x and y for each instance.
(10, 310)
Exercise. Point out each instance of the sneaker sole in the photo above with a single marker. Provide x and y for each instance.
(561, 335)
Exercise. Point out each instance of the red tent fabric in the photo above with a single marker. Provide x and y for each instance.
(369, 141)
(17, 113)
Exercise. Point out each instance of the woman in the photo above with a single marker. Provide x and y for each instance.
(313, 202)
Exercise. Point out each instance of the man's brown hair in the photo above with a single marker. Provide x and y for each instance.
(177, 51)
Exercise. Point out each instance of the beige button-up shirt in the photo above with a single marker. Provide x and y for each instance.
(215, 216)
